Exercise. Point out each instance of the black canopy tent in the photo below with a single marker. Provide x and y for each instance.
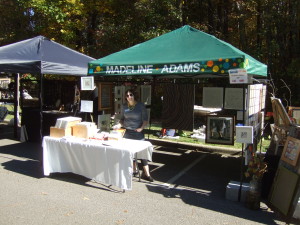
(40, 55)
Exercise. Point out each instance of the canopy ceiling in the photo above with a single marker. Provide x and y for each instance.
(185, 51)
(43, 56)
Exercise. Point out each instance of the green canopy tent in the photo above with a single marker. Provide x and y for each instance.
(182, 53)
(185, 52)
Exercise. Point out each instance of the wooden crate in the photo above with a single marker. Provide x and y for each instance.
(84, 130)
(60, 132)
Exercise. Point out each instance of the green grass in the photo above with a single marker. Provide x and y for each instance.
(156, 127)
(10, 114)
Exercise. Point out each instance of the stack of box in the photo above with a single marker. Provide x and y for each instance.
(85, 130)
(232, 191)
(63, 126)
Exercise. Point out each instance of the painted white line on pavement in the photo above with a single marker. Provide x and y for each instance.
(170, 183)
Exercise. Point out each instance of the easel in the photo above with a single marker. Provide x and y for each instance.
(282, 123)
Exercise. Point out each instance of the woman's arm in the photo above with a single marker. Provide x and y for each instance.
(142, 127)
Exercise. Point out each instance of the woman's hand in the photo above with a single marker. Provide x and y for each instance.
(139, 129)
(116, 127)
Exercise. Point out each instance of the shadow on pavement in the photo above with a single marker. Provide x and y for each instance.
(24, 158)
(204, 185)
(204, 200)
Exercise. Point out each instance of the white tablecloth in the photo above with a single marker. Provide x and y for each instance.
(108, 162)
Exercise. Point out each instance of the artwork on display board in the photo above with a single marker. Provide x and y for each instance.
(213, 97)
(87, 83)
(291, 151)
(104, 122)
(119, 91)
(234, 98)
(220, 130)
(256, 98)
(244, 134)
(118, 106)
(146, 94)
(86, 106)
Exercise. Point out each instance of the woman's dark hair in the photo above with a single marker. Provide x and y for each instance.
(132, 91)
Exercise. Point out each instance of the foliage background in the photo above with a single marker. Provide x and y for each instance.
(268, 30)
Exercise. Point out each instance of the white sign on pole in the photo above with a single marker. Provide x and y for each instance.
(239, 76)
(86, 106)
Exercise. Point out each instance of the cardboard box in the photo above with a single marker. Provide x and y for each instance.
(232, 191)
(60, 132)
(84, 130)
(63, 126)
(67, 122)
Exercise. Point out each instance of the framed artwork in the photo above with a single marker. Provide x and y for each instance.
(294, 112)
(213, 97)
(281, 196)
(87, 83)
(219, 130)
(105, 99)
(104, 122)
(291, 151)
(244, 134)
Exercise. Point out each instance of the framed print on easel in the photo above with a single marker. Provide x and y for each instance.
(104, 122)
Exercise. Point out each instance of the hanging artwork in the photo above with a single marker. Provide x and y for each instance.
(146, 94)
(234, 98)
(87, 83)
(105, 96)
(212, 97)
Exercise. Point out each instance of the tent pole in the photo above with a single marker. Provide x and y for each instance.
(152, 91)
(41, 105)
(243, 146)
(16, 105)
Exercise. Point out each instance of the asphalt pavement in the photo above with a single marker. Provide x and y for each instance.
(189, 188)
